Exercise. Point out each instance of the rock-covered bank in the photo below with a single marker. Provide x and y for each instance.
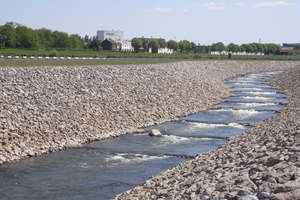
(45, 109)
(262, 163)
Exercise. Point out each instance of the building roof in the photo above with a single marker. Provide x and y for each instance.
(111, 41)
(290, 44)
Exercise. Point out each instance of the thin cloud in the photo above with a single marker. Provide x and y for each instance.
(158, 9)
(240, 4)
(271, 4)
(185, 10)
(213, 6)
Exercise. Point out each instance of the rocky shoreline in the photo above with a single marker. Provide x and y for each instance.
(46, 109)
(262, 163)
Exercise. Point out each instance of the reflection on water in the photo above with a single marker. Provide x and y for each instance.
(105, 168)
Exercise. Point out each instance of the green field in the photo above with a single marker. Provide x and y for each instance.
(110, 57)
(123, 61)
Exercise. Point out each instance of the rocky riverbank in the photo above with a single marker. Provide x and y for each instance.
(262, 163)
(46, 109)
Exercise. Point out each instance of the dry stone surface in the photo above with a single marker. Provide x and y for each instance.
(46, 109)
(262, 163)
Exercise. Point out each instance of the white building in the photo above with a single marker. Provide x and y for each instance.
(126, 46)
(236, 53)
(116, 36)
(165, 50)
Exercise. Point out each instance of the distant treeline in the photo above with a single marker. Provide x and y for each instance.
(249, 48)
(186, 46)
(14, 35)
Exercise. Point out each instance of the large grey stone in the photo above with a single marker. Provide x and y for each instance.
(155, 132)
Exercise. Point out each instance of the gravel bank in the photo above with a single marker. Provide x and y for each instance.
(45, 109)
(262, 163)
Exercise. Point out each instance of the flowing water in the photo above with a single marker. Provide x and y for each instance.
(105, 168)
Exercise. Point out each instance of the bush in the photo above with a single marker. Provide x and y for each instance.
(53, 53)
(196, 56)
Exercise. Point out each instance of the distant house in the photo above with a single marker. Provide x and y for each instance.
(110, 35)
(289, 46)
(126, 46)
(165, 50)
(148, 50)
(110, 45)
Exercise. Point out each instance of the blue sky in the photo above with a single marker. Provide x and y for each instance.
(199, 21)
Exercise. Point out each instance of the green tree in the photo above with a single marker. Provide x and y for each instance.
(136, 44)
(254, 48)
(185, 46)
(208, 48)
(60, 39)
(25, 37)
(205, 49)
(172, 44)
(162, 43)
(76, 42)
(46, 39)
(145, 44)
(86, 41)
(233, 47)
(154, 45)
(201, 49)
(193, 47)
(182, 46)
(95, 43)
(3, 39)
(86, 38)
(248, 48)
(259, 47)
(214, 47)
(8, 30)
(278, 49)
(219, 46)
(188, 46)
(273, 49)
(265, 48)
(242, 49)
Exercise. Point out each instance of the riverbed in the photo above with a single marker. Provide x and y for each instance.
(108, 167)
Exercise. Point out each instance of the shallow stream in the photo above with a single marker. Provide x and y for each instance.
(105, 168)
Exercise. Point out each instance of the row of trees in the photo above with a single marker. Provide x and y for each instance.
(249, 48)
(15, 35)
(186, 46)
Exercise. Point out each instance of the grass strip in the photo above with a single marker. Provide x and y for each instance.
(31, 63)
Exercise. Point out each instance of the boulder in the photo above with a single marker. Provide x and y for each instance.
(155, 132)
